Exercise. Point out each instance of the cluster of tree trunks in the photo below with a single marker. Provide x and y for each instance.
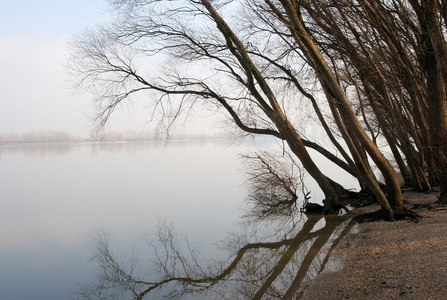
(374, 73)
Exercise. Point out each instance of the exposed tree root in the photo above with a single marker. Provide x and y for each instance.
(312, 208)
(315, 208)
(373, 216)
(356, 199)
(405, 213)
(399, 214)
(346, 197)
(428, 206)
(363, 200)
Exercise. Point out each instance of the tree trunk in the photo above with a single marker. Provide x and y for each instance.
(273, 109)
(335, 94)
(435, 51)
(331, 201)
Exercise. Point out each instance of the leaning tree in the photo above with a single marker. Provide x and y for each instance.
(265, 64)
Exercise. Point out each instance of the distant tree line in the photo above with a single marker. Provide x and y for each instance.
(40, 136)
(136, 136)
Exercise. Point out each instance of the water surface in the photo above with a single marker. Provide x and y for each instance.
(54, 199)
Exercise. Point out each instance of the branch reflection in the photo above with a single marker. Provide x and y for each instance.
(253, 270)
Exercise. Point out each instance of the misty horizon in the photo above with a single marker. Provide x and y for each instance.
(57, 136)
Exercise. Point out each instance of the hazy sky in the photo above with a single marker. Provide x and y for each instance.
(34, 86)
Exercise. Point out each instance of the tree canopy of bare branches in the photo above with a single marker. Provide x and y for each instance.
(370, 74)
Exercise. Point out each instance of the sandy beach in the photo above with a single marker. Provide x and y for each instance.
(391, 260)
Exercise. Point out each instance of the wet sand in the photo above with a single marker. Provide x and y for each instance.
(390, 260)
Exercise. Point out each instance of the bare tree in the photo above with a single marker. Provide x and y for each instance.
(266, 71)
(107, 59)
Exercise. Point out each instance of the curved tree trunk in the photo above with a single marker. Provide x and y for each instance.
(437, 98)
(331, 201)
(434, 62)
(335, 94)
(273, 109)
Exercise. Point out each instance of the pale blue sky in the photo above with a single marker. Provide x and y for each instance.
(35, 89)
(34, 86)
(48, 19)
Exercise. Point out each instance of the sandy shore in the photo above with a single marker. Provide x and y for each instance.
(384, 260)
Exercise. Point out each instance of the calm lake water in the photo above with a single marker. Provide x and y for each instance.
(55, 199)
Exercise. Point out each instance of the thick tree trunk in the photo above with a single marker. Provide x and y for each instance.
(435, 51)
(331, 201)
(335, 94)
(273, 109)
(438, 111)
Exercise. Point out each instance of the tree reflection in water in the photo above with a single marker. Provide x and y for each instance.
(254, 270)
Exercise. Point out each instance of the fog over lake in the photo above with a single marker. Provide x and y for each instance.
(56, 198)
